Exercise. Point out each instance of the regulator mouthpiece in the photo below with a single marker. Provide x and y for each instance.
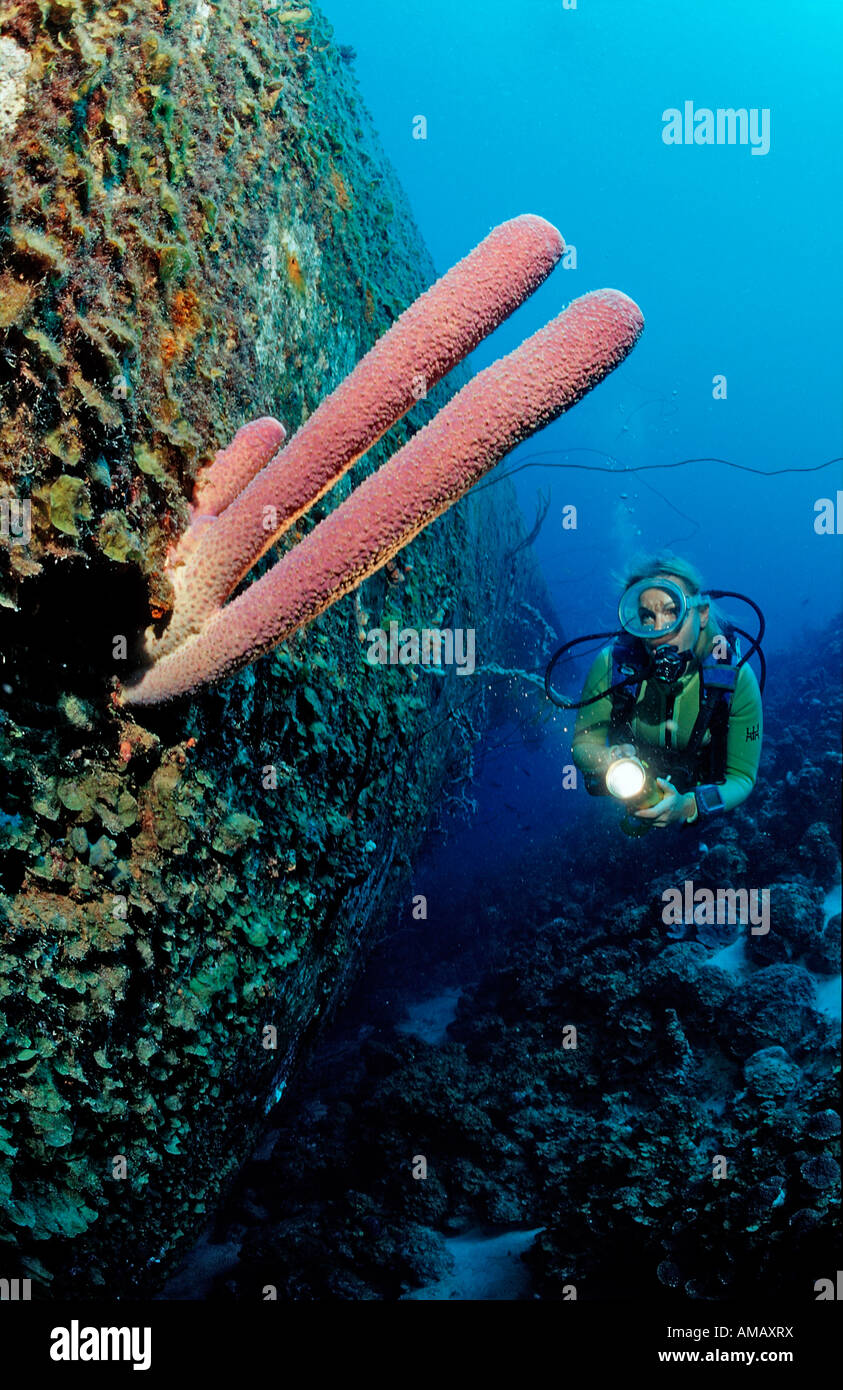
(669, 663)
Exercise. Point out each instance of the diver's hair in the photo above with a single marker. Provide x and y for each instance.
(663, 563)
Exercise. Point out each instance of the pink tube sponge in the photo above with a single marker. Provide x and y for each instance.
(506, 403)
(427, 341)
(234, 467)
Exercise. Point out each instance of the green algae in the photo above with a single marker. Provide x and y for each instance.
(234, 831)
(69, 504)
(174, 263)
(149, 463)
(45, 250)
(94, 399)
(118, 540)
(64, 447)
(51, 350)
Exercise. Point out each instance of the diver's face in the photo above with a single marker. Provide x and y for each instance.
(658, 609)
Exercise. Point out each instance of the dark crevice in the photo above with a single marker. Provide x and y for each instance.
(62, 639)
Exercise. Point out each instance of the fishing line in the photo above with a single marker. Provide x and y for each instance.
(622, 471)
(534, 461)
(673, 508)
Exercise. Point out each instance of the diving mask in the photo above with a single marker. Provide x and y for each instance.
(656, 607)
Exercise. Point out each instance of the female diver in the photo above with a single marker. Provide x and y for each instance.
(670, 718)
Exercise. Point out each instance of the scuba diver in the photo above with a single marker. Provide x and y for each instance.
(670, 717)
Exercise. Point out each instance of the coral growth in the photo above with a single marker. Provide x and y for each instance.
(688, 1145)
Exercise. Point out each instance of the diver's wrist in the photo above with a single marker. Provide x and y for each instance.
(691, 810)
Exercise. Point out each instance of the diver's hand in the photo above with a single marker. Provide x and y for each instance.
(673, 808)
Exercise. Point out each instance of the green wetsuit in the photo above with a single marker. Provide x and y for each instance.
(661, 724)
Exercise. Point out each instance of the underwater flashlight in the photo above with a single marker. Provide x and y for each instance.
(628, 780)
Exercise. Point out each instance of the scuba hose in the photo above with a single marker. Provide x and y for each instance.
(637, 675)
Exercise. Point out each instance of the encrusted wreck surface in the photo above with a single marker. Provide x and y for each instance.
(197, 227)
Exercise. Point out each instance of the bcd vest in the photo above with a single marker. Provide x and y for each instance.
(696, 763)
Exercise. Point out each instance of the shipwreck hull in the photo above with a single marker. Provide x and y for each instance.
(197, 227)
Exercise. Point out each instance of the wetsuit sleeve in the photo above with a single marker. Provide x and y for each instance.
(743, 741)
(593, 727)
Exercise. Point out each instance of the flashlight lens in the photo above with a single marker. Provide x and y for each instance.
(625, 778)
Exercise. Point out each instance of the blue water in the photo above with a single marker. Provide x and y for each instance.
(733, 258)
